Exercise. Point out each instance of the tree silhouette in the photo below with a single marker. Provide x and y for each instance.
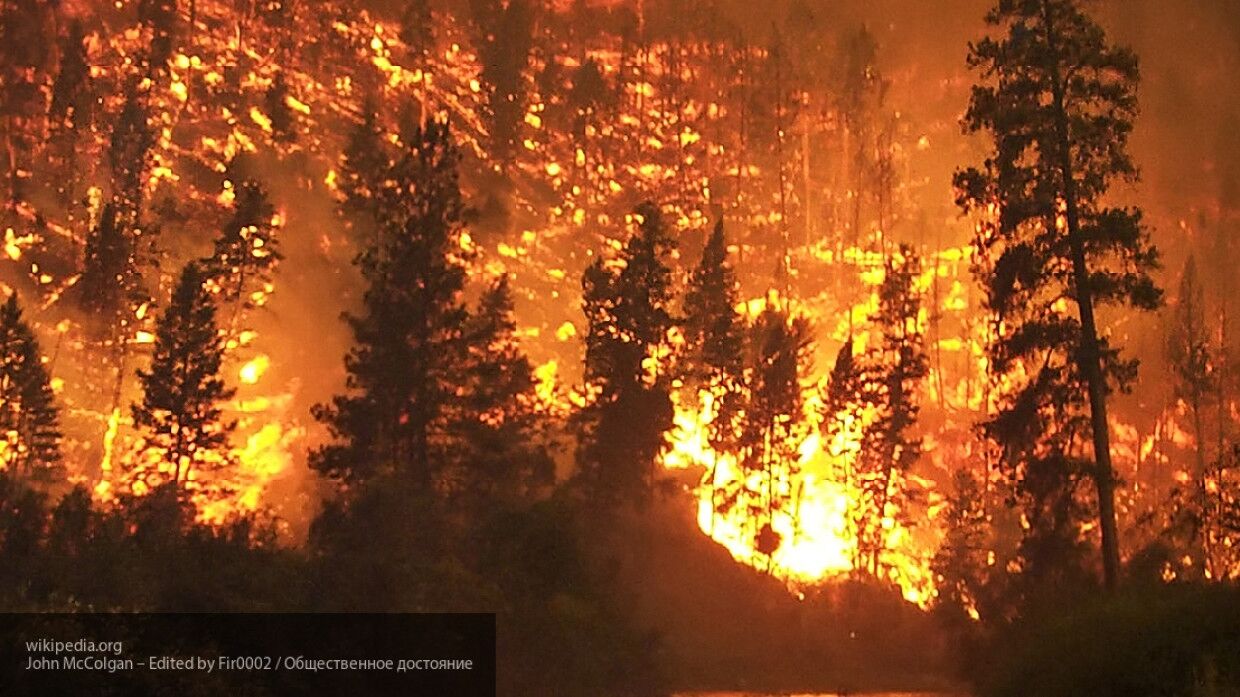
(185, 436)
(714, 353)
(893, 375)
(407, 360)
(502, 460)
(247, 249)
(23, 57)
(628, 317)
(29, 419)
(1059, 102)
(773, 425)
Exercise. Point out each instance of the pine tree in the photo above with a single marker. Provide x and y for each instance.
(714, 338)
(363, 166)
(128, 151)
(101, 287)
(71, 112)
(159, 17)
(893, 377)
(1059, 102)
(861, 94)
(417, 27)
(29, 418)
(1197, 504)
(247, 250)
(773, 424)
(502, 461)
(185, 436)
(959, 566)
(842, 408)
(628, 317)
(507, 30)
(71, 91)
(407, 360)
(1188, 352)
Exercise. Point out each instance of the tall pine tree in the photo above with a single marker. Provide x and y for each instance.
(894, 371)
(184, 433)
(29, 419)
(1059, 102)
(628, 316)
(23, 57)
(714, 357)
(773, 425)
(407, 362)
(502, 460)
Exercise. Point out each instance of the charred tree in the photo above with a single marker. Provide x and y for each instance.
(772, 427)
(246, 252)
(503, 461)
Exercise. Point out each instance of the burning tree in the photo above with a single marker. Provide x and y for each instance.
(960, 564)
(772, 426)
(247, 250)
(185, 438)
(23, 55)
(29, 419)
(1200, 501)
(891, 379)
(714, 353)
(1059, 102)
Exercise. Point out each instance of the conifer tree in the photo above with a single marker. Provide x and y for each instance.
(363, 165)
(959, 566)
(417, 28)
(502, 460)
(773, 424)
(128, 151)
(714, 338)
(185, 435)
(628, 317)
(275, 105)
(894, 372)
(1059, 101)
(507, 30)
(1197, 504)
(71, 92)
(159, 17)
(29, 419)
(247, 250)
(71, 111)
(101, 287)
(842, 406)
(407, 360)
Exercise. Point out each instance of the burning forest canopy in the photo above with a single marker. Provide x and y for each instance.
(701, 249)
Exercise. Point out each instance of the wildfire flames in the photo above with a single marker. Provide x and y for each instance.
(675, 133)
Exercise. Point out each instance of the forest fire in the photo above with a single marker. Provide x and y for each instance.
(848, 308)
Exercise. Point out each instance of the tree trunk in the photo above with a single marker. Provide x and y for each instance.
(1089, 358)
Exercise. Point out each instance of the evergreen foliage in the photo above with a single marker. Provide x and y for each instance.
(186, 438)
(1059, 101)
(29, 417)
(628, 316)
